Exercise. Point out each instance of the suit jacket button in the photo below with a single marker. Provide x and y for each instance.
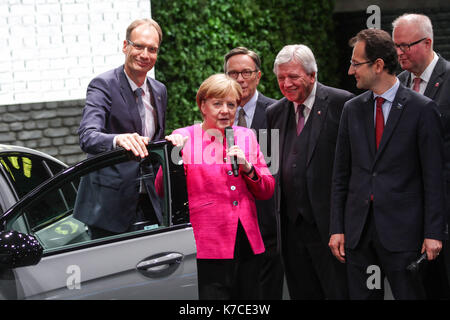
(235, 203)
(233, 188)
(230, 172)
(374, 174)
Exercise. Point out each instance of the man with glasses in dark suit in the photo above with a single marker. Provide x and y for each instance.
(429, 74)
(124, 108)
(387, 201)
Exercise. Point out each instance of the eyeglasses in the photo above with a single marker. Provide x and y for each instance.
(141, 48)
(406, 46)
(357, 64)
(245, 74)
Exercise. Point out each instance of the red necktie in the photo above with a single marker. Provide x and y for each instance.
(416, 86)
(301, 118)
(379, 121)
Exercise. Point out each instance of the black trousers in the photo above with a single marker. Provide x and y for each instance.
(312, 272)
(370, 256)
(271, 277)
(230, 279)
(436, 275)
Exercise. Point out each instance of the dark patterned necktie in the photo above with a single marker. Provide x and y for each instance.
(140, 103)
(301, 118)
(241, 118)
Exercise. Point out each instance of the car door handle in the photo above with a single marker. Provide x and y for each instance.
(160, 265)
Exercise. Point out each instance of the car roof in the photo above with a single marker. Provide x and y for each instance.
(6, 148)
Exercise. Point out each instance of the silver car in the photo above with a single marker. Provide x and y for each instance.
(45, 253)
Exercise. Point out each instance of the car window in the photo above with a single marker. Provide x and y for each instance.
(26, 171)
(62, 213)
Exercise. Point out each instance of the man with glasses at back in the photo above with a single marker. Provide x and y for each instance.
(429, 74)
(244, 65)
(124, 108)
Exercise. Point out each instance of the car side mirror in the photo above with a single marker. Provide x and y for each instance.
(19, 250)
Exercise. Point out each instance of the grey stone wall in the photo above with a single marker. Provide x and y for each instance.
(50, 127)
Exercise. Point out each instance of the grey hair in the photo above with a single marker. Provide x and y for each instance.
(419, 20)
(299, 53)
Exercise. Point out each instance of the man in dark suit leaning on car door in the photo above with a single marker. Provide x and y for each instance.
(124, 108)
(307, 119)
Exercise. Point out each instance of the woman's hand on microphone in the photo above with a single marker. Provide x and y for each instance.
(237, 152)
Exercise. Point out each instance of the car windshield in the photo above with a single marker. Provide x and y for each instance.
(26, 171)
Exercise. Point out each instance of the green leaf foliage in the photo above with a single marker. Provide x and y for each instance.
(198, 33)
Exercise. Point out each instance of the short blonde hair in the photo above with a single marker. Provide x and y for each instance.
(218, 86)
(148, 21)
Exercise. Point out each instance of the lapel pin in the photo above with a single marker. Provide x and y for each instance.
(437, 84)
(399, 106)
(319, 112)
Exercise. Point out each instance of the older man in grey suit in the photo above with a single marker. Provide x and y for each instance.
(307, 120)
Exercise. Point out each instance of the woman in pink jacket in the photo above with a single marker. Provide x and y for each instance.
(222, 205)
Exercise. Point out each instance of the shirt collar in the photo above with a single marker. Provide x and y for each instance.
(249, 108)
(389, 95)
(134, 86)
(309, 102)
(426, 74)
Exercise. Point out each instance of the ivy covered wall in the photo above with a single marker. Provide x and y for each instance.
(198, 33)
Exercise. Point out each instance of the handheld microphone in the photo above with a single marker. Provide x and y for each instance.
(414, 266)
(229, 134)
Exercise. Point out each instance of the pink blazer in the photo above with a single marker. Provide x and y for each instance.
(218, 199)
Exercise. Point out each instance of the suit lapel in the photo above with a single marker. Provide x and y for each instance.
(259, 116)
(283, 110)
(368, 120)
(156, 101)
(397, 108)
(319, 109)
(129, 100)
(435, 79)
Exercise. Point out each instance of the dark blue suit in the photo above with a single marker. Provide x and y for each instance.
(405, 177)
(437, 275)
(108, 199)
(302, 194)
(271, 271)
